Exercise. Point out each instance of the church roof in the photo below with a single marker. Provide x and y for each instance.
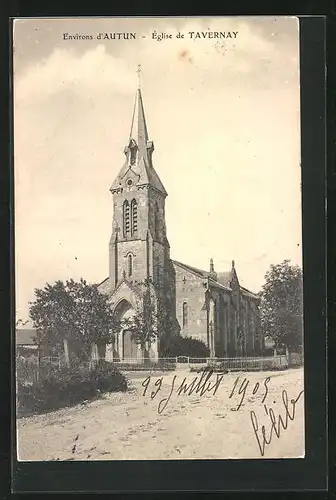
(217, 284)
(223, 278)
(195, 270)
(247, 293)
(142, 166)
(202, 274)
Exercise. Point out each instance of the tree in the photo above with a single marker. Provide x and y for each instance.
(155, 320)
(143, 328)
(72, 313)
(168, 326)
(281, 305)
(144, 325)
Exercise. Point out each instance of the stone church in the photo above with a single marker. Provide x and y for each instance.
(207, 305)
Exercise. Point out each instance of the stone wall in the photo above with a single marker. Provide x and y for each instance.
(190, 290)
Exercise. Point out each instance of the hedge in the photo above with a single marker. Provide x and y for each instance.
(69, 386)
(186, 346)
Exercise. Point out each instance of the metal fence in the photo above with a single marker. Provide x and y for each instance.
(277, 362)
(246, 363)
(29, 369)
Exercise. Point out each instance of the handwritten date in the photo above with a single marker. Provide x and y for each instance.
(207, 382)
(243, 387)
(198, 385)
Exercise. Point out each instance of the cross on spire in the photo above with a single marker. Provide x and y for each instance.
(139, 73)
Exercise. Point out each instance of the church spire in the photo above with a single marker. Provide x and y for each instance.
(138, 138)
(138, 132)
(139, 152)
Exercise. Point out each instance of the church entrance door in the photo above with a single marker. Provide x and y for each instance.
(126, 347)
(130, 349)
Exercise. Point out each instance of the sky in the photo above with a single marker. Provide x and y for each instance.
(224, 115)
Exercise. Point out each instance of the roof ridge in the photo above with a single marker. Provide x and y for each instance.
(248, 291)
(193, 269)
(220, 284)
(103, 281)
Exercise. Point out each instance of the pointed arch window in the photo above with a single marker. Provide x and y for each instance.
(130, 265)
(134, 216)
(185, 314)
(126, 217)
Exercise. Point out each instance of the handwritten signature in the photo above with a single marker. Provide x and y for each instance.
(278, 423)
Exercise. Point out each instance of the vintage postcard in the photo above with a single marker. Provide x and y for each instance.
(158, 249)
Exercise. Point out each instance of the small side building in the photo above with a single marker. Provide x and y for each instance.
(25, 342)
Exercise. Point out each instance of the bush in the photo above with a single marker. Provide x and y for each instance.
(268, 351)
(108, 378)
(187, 346)
(62, 387)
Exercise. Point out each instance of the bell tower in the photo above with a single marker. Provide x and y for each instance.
(139, 248)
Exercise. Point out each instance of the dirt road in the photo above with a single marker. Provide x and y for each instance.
(163, 424)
